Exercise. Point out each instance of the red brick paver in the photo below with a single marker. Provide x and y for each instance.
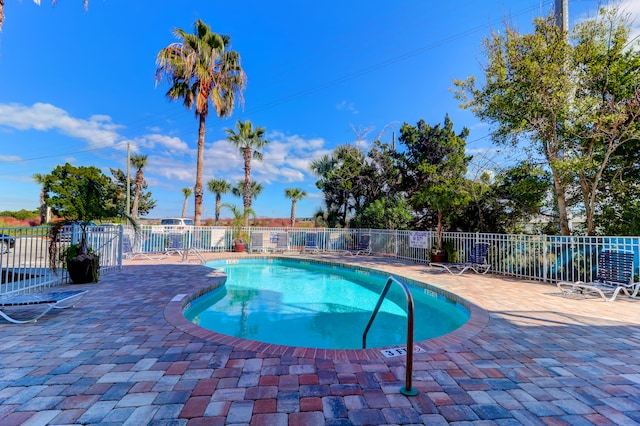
(126, 355)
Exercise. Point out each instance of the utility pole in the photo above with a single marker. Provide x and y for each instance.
(128, 178)
(562, 14)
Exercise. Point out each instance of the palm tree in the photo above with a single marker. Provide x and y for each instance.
(44, 209)
(255, 189)
(187, 193)
(218, 187)
(201, 68)
(249, 141)
(294, 194)
(139, 162)
(85, 2)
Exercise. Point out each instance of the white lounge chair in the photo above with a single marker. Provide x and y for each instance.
(311, 243)
(28, 304)
(176, 245)
(476, 261)
(282, 242)
(615, 275)
(363, 247)
(257, 242)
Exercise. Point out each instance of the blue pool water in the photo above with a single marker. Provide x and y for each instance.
(297, 303)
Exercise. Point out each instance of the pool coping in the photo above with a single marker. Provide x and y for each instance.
(174, 314)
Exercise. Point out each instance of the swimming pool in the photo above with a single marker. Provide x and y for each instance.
(306, 304)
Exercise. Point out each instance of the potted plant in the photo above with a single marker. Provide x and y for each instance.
(81, 262)
(238, 235)
(81, 195)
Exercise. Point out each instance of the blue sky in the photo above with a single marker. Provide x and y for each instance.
(78, 86)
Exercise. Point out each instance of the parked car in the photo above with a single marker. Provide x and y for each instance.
(7, 242)
(177, 221)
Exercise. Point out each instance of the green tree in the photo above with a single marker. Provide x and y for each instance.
(576, 104)
(384, 213)
(295, 195)
(606, 106)
(218, 187)
(618, 211)
(321, 168)
(384, 175)
(81, 194)
(187, 193)
(249, 141)
(146, 203)
(139, 162)
(525, 94)
(504, 203)
(383, 203)
(202, 68)
(434, 167)
(344, 179)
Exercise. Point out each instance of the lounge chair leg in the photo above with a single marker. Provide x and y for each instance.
(17, 321)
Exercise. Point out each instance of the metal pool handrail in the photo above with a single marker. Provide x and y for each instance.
(407, 389)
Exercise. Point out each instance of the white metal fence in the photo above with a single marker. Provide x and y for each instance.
(26, 265)
(539, 257)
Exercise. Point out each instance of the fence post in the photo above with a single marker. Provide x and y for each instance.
(395, 243)
(545, 259)
(120, 245)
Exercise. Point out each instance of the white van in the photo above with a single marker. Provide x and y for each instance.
(177, 221)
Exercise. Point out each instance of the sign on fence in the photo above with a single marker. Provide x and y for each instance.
(418, 239)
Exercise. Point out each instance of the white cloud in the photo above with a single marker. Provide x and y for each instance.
(171, 170)
(347, 106)
(99, 131)
(632, 7)
(285, 159)
(627, 7)
(172, 144)
(171, 161)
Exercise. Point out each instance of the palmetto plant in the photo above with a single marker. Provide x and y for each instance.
(202, 68)
(240, 218)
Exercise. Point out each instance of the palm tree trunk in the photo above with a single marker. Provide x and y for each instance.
(218, 204)
(197, 190)
(293, 213)
(184, 207)
(247, 183)
(136, 196)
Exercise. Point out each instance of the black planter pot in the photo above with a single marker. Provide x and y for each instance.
(83, 269)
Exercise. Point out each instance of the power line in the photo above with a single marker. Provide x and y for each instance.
(309, 91)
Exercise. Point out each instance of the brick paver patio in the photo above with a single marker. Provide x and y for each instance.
(125, 355)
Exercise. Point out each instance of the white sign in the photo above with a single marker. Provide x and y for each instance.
(418, 239)
(389, 353)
